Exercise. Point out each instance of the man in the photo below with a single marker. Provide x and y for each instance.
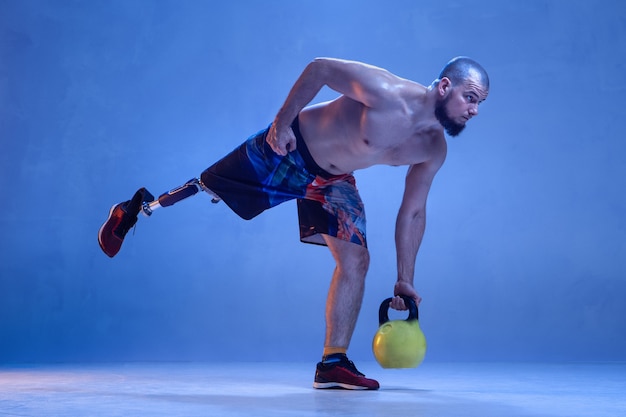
(309, 154)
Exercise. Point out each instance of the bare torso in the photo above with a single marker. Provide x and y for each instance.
(380, 118)
(344, 135)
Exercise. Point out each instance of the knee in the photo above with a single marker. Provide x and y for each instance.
(352, 259)
(356, 262)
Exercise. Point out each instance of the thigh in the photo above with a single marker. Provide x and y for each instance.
(332, 207)
(253, 178)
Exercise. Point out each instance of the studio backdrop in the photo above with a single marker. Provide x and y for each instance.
(524, 256)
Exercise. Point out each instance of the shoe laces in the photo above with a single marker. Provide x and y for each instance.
(123, 229)
(127, 222)
(350, 365)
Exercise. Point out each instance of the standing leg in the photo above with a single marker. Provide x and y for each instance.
(346, 291)
(342, 310)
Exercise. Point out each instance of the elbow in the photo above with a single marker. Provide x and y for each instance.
(318, 67)
(314, 70)
(318, 62)
(412, 218)
(414, 214)
(418, 220)
(418, 215)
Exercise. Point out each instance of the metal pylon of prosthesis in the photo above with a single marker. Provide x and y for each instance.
(175, 195)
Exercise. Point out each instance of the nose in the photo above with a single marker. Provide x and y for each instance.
(473, 110)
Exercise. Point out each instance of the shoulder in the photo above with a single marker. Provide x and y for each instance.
(439, 148)
(436, 151)
(371, 85)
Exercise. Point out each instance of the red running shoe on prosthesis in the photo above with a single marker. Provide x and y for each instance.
(121, 218)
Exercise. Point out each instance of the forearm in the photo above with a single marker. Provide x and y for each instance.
(302, 93)
(409, 234)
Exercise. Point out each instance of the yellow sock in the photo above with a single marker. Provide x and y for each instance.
(330, 350)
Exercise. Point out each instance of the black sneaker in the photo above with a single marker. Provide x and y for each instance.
(342, 374)
(121, 218)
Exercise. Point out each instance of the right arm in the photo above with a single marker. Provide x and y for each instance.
(411, 223)
(369, 85)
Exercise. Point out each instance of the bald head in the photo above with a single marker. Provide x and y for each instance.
(460, 69)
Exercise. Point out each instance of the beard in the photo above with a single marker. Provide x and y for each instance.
(451, 127)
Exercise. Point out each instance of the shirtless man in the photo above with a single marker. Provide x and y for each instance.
(310, 153)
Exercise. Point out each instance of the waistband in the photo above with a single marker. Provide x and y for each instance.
(311, 165)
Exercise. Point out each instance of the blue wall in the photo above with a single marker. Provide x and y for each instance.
(525, 251)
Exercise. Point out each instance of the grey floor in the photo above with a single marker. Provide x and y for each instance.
(266, 389)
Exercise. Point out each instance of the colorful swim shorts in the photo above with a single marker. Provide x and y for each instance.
(253, 178)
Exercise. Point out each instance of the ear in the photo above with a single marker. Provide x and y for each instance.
(444, 86)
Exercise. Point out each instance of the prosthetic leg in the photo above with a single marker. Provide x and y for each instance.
(172, 197)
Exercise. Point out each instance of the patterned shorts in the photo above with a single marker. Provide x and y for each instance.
(253, 178)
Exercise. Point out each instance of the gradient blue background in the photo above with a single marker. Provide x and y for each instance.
(524, 257)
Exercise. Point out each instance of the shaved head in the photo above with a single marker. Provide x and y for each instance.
(462, 68)
(466, 74)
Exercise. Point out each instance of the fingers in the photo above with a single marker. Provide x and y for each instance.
(397, 303)
(406, 289)
(282, 143)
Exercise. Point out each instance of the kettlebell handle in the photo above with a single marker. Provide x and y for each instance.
(383, 312)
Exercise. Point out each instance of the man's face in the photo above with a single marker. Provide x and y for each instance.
(451, 126)
(459, 105)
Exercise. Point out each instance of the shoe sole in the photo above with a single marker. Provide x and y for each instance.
(331, 385)
(102, 227)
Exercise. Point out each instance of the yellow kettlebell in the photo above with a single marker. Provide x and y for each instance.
(399, 343)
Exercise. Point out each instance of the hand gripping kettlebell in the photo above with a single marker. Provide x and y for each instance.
(399, 343)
